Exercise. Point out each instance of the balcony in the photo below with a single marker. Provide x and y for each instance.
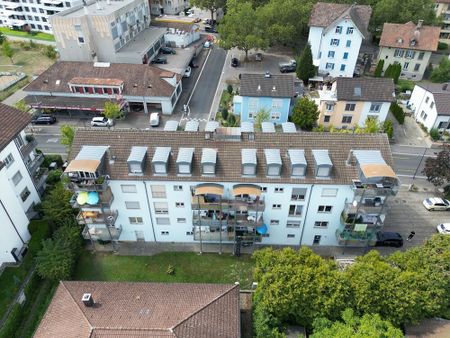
(99, 184)
(93, 217)
(211, 234)
(356, 238)
(39, 178)
(104, 202)
(210, 218)
(360, 219)
(34, 165)
(101, 232)
(374, 189)
(27, 148)
(239, 204)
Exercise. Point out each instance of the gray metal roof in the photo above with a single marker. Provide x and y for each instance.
(289, 127)
(161, 154)
(321, 157)
(368, 157)
(247, 127)
(209, 155)
(272, 156)
(262, 85)
(137, 154)
(268, 127)
(171, 125)
(185, 155)
(191, 126)
(297, 157)
(248, 156)
(211, 126)
(91, 152)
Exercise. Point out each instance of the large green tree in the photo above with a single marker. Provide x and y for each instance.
(441, 73)
(67, 135)
(437, 170)
(240, 29)
(305, 66)
(54, 261)
(210, 5)
(56, 207)
(112, 110)
(305, 113)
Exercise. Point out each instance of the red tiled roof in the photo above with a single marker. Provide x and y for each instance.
(95, 81)
(400, 36)
(13, 121)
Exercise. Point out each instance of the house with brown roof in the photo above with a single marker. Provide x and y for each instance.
(336, 32)
(410, 45)
(349, 102)
(442, 8)
(84, 86)
(154, 310)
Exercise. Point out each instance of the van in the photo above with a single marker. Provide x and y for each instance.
(154, 119)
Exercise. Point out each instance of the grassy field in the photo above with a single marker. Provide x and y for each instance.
(189, 268)
(34, 35)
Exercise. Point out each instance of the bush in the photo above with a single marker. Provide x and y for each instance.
(434, 133)
(225, 113)
(52, 158)
(50, 52)
(230, 89)
(398, 112)
(231, 120)
(12, 323)
(39, 231)
(442, 46)
(54, 177)
(388, 128)
(170, 270)
(379, 68)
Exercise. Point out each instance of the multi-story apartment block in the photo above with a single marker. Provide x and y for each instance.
(107, 31)
(336, 32)
(32, 14)
(410, 45)
(161, 7)
(21, 182)
(443, 11)
(225, 185)
(349, 102)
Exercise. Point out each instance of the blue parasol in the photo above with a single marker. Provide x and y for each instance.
(92, 198)
(262, 229)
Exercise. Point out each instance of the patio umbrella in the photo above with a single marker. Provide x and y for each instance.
(82, 198)
(92, 198)
(262, 229)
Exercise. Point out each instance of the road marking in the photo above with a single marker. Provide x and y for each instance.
(415, 155)
(199, 76)
(218, 86)
(411, 176)
(52, 140)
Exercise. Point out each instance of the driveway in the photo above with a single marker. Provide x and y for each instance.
(409, 133)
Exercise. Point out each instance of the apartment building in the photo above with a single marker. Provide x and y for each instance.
(410, 45)
(443, 11)
(107, 31)
(349, 102)
(174, 7)
(225, 185)
(21, 182)
(336, 32)
(32, 15)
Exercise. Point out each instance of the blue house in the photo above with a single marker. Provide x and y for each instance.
(272, 93)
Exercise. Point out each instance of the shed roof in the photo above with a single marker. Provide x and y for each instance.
(297, 156)
(191, 125)
(161, 154)
(273, 156)
(289, 127)
(247, 127)
(137, 154)
(211, 126)
(248, 156)
(268, 127)
(209, 155)
(171, 125)
(185, 155)
(321, 157)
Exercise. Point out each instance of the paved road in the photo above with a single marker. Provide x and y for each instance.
(410, 161)
(48, 139)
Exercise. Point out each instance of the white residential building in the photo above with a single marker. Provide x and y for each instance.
(21, 182)
(161, 7)
(32, 14)
(228, 186)
(336, 32)
(431, 105)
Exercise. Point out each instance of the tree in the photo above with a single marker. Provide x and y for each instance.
(211, 5)
(305, 113)
(239, 28)
(379, 68)
(2, 38)
(49, 51)
(437, 170)
(21, 105)
(305, 67)
(56, 207)
(8, 51)
(393, 71)
(388, 128)
(263, 115)
(371, 126)
(69, 235)
(369, 325)
(112, 110)
(54, 261)
(67, 135)
(441, 73)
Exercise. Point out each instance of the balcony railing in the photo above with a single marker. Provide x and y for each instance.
(98, 184)
(39, 177)
(228, 220)
(26, 149)
(371, 220)
(226, 235)
(107, 218)
(227, 204)
(356, 238)
(102, 233)
(105, 200)
(372, 189)
(35, 163)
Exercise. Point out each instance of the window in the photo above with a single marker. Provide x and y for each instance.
(162, 220)
(161, 208)
(208, 169)
(334, 42)
(326, 118)
(416, 67)
(316, 240)
(338, 30)
(345, 56)
(179, 204)
(189, 233)
(349, 30)
(398, 53)
(276, 206)
(295, 210)
(290, 236)
(331, 54)
(41, 10)
(8, 160)
(164, 233)
(263, 189)
(346, 119)
(132, 205)
(275, 115)
(17, 178)
(80, 39)
(375, 107)
(342, 68)
(410, 54)
(405, 65)
(253, 103)
(298, 194)
(135, 220)
(329, 66)
(348, 43)
(432, 105)
(274, 222)
(324, 208)
(158, 191)
(350, 106)
(421, 55)
(422, 113)
(128, 188)
(293, 224)
(320, 224)
(277, 103)
(19, 141)
(178, 188)
(329, 106)
(251, 115)
(279, 189)
(24, 194)
(427, 99)
(33, 9)
(181, 220)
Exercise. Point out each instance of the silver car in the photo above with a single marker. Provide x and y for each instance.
(101, 121)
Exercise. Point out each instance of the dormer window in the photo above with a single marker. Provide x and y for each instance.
(209, 157)
(160, 161)
(184, 161)
(248, 161)
(298, 162)
(273, 162)
(136, 160)
(323, 164)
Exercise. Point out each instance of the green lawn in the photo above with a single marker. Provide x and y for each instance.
(33, 35)
(189, 268)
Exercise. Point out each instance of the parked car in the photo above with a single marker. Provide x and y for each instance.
(234, 62)
(258, 57)
(393, 239)
(207, 44)
(193, 64)
(210, 29)
(160, 60)
(167, 50)
(101, 121)
(444, 228)
(187, 72)
(436, 203)
(154, 119)
(43, 119)
(288, 67)
(209, 22)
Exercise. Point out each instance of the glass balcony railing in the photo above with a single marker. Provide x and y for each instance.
(98, 184)
(226, 234)
(92, 217)
(374, 189)
(104, 200)
(97, 232)
(242, 204)
(35, 163)
(370, 220)
(356, 238)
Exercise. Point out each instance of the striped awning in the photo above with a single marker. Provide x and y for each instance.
(209, 189)
(246, 189)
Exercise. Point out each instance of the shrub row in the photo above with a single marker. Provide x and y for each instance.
(398, 112)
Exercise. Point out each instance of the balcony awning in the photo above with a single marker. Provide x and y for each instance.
(377, 170)
(247, 189)
(209, 189)
(89, 166)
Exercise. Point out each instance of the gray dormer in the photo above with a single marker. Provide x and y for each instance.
(191, 126)
(322, 163)
(248, 129)
(184, 161)
(209, 158)
(136, 160)
(160, 161)
(288, 127)
(210, 128)
(298, 162)
(267, 127)
(273, 162)
(248, 162)
(171, 125)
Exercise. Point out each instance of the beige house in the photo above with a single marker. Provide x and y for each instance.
(350, 101)
(410, 45)
(443, 10)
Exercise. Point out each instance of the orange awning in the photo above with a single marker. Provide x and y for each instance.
(89, 166)
(247, 189)
(209, 189)
(377, 170)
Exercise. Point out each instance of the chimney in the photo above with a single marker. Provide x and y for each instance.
(419, 24)
(87, 300)
(259, 88)
(274, 89)
(444, 86)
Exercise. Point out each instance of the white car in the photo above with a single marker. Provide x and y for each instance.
(207, 44)
(154, 119)
(436, 203)
(101, 121)
(444, 228)
(187, 72)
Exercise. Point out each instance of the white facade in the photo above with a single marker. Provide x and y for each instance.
(335, 49)
(161, 7)
(182, 39)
